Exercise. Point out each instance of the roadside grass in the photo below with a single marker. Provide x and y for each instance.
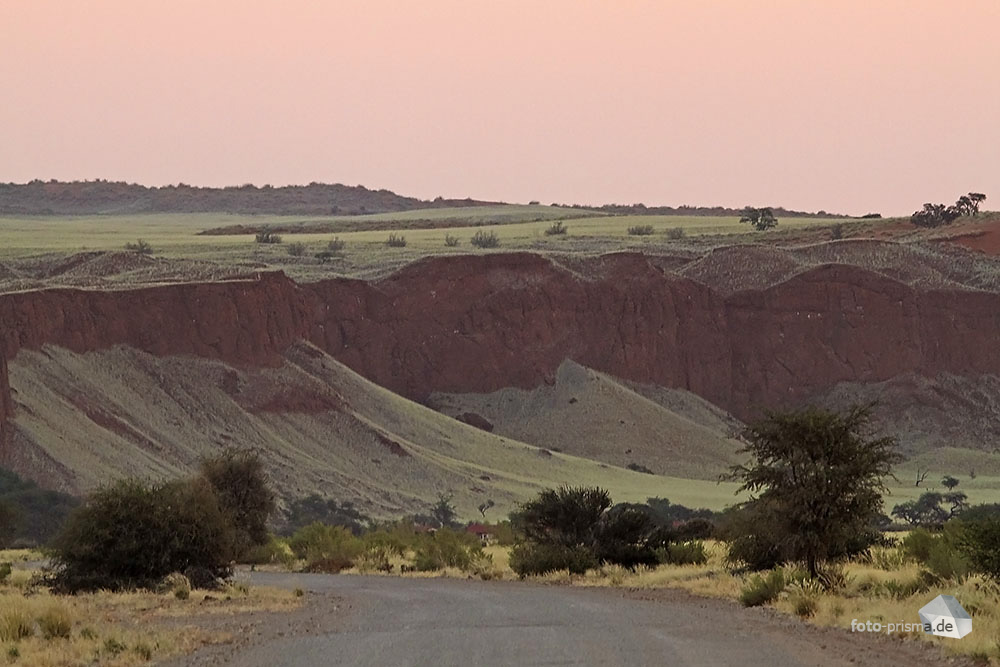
(868, 593)
(130, 628)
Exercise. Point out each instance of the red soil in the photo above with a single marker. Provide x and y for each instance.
(985, 238)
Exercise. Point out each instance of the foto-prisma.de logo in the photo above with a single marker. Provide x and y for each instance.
(943, 616)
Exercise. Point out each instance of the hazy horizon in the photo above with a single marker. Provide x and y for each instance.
(808, 105)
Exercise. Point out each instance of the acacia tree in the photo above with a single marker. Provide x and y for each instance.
(969, 204)
(762, 219)
(935, 215)
(816, 479)
(975, 199)
(927, 510)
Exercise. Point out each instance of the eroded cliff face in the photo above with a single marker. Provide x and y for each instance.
(480, 323)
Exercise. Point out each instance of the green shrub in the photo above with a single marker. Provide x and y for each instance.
(761, 590)
(267, 237)
(484, 239)
(754, 539)
(336, 245)
(296, 249)
(450, 241)
(556, 228)
(583, 517)
(641, 230)
(325, 548)
(837, 232)
(240, 484)
(141, 247)
(130, 535)
(396, 241)
(273, 552)
(28, 514)
(55, 622)
(375, 558)
(396, 542)
(684, 553)
(5, 570)
(447, 548)
(980, 543)
(918, 544)
(675, 233)
(940, 552)
(530, 558)
(316, 508)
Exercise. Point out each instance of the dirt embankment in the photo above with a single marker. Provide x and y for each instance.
(480, 323)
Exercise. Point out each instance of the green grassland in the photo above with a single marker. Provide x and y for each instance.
(365, 254)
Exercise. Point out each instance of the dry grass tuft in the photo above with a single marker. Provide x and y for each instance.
(130, 628)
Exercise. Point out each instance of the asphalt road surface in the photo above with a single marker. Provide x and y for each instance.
(407, 621)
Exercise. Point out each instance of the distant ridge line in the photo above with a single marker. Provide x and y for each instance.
(103, 197)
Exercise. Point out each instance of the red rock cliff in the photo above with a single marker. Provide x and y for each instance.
(478, 323)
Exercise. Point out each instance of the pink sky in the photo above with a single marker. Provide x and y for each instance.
(843, 105)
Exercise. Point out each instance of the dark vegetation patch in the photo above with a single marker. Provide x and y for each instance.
(29, 515)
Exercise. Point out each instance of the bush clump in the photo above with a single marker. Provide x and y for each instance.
(527, 559)
(245, 497)
(296, 249)
(450, 241)
(140, 246)
(132, 535)
(980, 543)
(941, 553)
(447, 548)
(396, 241)
(572, 528)
(684, 553)
(641, 230)
(267, 237)
(763, 589)
(675, 233)
(484, 239)
(325, 548)
(557, 228)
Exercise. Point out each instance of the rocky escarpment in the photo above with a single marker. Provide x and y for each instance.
(480, 323)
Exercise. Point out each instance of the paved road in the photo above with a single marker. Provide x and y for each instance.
(397, 621)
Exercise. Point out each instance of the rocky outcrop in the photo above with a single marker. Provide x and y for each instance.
(480, 323)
